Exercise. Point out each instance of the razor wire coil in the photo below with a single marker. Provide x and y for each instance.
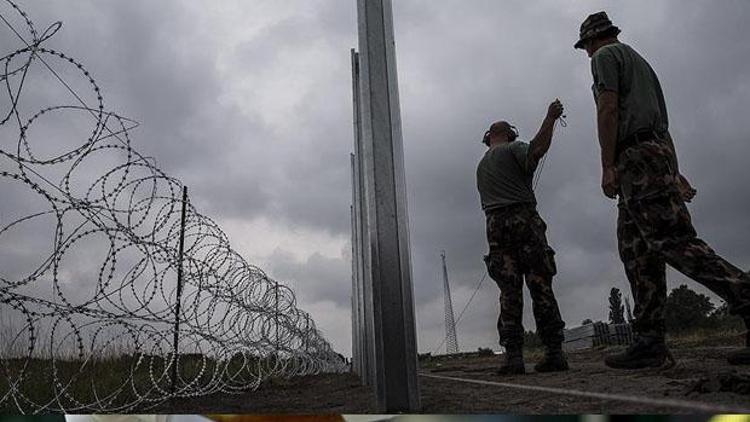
(102, 341)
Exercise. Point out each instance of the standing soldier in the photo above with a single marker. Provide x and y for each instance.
(517, 242)
(639, 164)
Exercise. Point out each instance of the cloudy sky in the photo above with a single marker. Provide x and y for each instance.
(249, 104)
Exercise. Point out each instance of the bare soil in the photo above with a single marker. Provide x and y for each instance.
(315, 394)
(701, 375)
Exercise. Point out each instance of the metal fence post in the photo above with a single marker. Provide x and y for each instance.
(363, 305)
(276, 317)
(388, 255)
(355, 277)
(175, 353)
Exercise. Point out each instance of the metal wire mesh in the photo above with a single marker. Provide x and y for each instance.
(89, 325)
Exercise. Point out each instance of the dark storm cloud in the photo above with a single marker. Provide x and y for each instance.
(316, 279)
(315, 132)
(138, 55)
(250, 105)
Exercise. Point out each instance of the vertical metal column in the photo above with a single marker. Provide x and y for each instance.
(394, 340)
(364, 285)
(355, 276)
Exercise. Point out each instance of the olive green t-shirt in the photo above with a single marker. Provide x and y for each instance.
(617, 67)
(505, 175)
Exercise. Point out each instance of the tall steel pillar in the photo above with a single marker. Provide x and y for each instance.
(355, 276)
(387, 260)
(362, 307)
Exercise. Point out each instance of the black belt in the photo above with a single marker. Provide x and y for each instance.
(511, 208)
(637, 138)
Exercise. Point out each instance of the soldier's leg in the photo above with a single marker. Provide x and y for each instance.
(503, 269)
(646, 273)
(538, 264)
(664, 221)
(549, 323)
(648, 185)
(539, 267)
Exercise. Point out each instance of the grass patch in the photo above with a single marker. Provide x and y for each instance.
(118, 382)
(707, 337)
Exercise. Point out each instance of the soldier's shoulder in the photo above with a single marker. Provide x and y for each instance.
(518, 145)
(611, 49)
(626, 49)
(493, 154)
(483, 159)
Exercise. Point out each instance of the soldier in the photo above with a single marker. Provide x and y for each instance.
(517, 242)
(639, 164)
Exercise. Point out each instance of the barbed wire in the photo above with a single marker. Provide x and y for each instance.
(82, 335)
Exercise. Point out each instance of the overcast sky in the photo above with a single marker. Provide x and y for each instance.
(249, 104)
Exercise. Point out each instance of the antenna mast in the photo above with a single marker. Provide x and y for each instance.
(451, 343)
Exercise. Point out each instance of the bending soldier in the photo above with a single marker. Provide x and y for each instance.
(639, 164)
(517, 243)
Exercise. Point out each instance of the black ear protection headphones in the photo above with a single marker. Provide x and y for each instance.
(486, 138)
(512, 136)
(513, 133)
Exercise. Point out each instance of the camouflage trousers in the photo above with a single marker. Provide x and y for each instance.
(518, 250)
(654, 229)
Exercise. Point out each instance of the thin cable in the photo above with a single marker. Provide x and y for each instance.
(458, 320)
(538, 173)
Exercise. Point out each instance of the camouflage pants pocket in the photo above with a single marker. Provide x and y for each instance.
(539, 259)
(549, 265)
(645, 170)
(662, 220)
(498, 266)
(538, 256)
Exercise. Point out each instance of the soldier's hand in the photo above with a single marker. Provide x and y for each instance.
(686, 190)
(609, 182)
(555, 110)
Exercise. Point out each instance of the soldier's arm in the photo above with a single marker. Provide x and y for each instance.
(543, 139)
(670, 143)
(687, 191)
(606, 113)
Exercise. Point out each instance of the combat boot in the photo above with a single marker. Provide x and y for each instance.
(646, 351)
(553, 361)
(513, 364)
(742, 356)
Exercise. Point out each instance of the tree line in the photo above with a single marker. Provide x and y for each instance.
(685, 310)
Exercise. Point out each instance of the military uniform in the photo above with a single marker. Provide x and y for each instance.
(654, 226)
(654, 229)
(518, 245)
(518, 250)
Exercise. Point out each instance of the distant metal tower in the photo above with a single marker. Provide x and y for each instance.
(451, 341)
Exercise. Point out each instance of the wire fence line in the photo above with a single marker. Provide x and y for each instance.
(88, 306)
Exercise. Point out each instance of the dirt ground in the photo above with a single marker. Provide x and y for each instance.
(319, 394)
(701, 375)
